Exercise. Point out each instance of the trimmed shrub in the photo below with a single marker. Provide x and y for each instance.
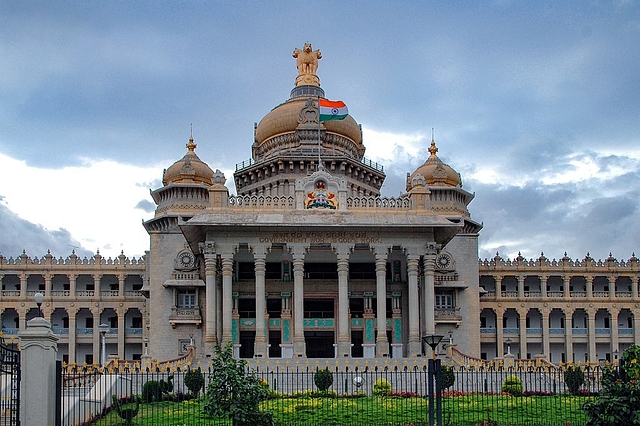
(323, 379)
(512, 385)
(126, 411)
(573, 378)
(194, 381)
(381, 387)
(153, 390)
(447, 377)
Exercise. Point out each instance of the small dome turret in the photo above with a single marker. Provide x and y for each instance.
(189, 169)
(435, 172)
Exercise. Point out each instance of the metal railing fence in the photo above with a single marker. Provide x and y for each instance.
(476, 397)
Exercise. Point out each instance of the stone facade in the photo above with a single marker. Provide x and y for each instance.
(308, 260)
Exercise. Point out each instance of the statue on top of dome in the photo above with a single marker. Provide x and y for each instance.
(307, 64)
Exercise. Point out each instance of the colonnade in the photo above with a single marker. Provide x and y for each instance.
(297, 252)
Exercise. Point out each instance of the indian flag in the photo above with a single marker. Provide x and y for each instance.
(332, 110)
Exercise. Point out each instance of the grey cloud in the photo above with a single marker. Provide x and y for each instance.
(146, 206)
(17, 234)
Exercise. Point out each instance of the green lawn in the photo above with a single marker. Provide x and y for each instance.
(457, 410)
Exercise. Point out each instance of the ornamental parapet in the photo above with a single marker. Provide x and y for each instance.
(25, 261)
(545, 265)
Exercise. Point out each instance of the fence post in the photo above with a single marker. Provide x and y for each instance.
(39, 349)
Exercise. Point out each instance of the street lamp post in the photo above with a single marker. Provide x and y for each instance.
(146, 346)
(103, 328)
(39, 299)
(434, 367)
(508, 342)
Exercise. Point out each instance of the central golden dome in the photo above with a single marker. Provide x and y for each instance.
(285, 118)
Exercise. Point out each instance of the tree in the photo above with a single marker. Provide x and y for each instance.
(234, 392)
(618, 402)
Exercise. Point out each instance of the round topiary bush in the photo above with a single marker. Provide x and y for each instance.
(513, 385)
(381, 387)
(323, 379)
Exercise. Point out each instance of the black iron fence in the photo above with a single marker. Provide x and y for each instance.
(9, 384)
(366, 394)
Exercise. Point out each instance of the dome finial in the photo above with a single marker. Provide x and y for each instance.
(307, 64)
(191, 146)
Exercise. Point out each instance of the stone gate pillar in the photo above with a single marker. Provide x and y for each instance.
(39, 349)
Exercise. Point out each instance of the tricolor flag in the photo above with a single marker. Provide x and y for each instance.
(332, 110)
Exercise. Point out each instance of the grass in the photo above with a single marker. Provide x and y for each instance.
(470, 409)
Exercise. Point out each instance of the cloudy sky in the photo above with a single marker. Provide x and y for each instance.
(536, 104)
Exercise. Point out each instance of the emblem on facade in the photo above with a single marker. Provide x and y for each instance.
(185, 261)
(321, 198)
(444, 261)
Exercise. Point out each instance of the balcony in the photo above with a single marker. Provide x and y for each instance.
(185, 316)
(448, 316)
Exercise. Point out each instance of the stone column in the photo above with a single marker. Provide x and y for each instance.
(566, 280)
(23, 285)
(523, 334)
(344, 337)
(39, 350)
(614, 312)
(568, 330)
(634, 287)
(210, 262)
(414, 347)
(429, 294)
(72, 311)
(97, 344)
(543, 285)
(593, 357)
(520, 280)
(72, 285)
(1, 286)
(227, 297)
(22, 318)
(121, 279)
(299, 345)
(47, 285)
(636, 329)
(589, 283)
(122, 312)
(499, 332)
(546, 349)
(498, 279)
(382, 344)
(260, 266)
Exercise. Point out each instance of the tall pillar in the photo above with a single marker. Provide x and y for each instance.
(520, 280)
(634, 286)
(227, 297)
(589, 283)
(499, 332)
(498, 279)
(122, 312)
(382, 344)
(546, 349)
(344, 337)
(210, 263)
(47, 285)
(414, 347)
(614, 312)
(566, 279)
(72, 311)
(429, 294)
(72, 285)
(23, 285)
(121, 280)
(543, 285)
(1, 286)
(96, 335)
(568, 330)
(592, 334)
(299, 345)
(260, 266)
(636, 329)
(523, 334)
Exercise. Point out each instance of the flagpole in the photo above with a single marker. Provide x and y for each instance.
(319, 144)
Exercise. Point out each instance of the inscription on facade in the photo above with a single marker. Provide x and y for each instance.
(333, 237)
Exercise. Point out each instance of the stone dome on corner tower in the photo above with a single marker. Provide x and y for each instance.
(293, 125)
(189, 169)
(435, 172)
